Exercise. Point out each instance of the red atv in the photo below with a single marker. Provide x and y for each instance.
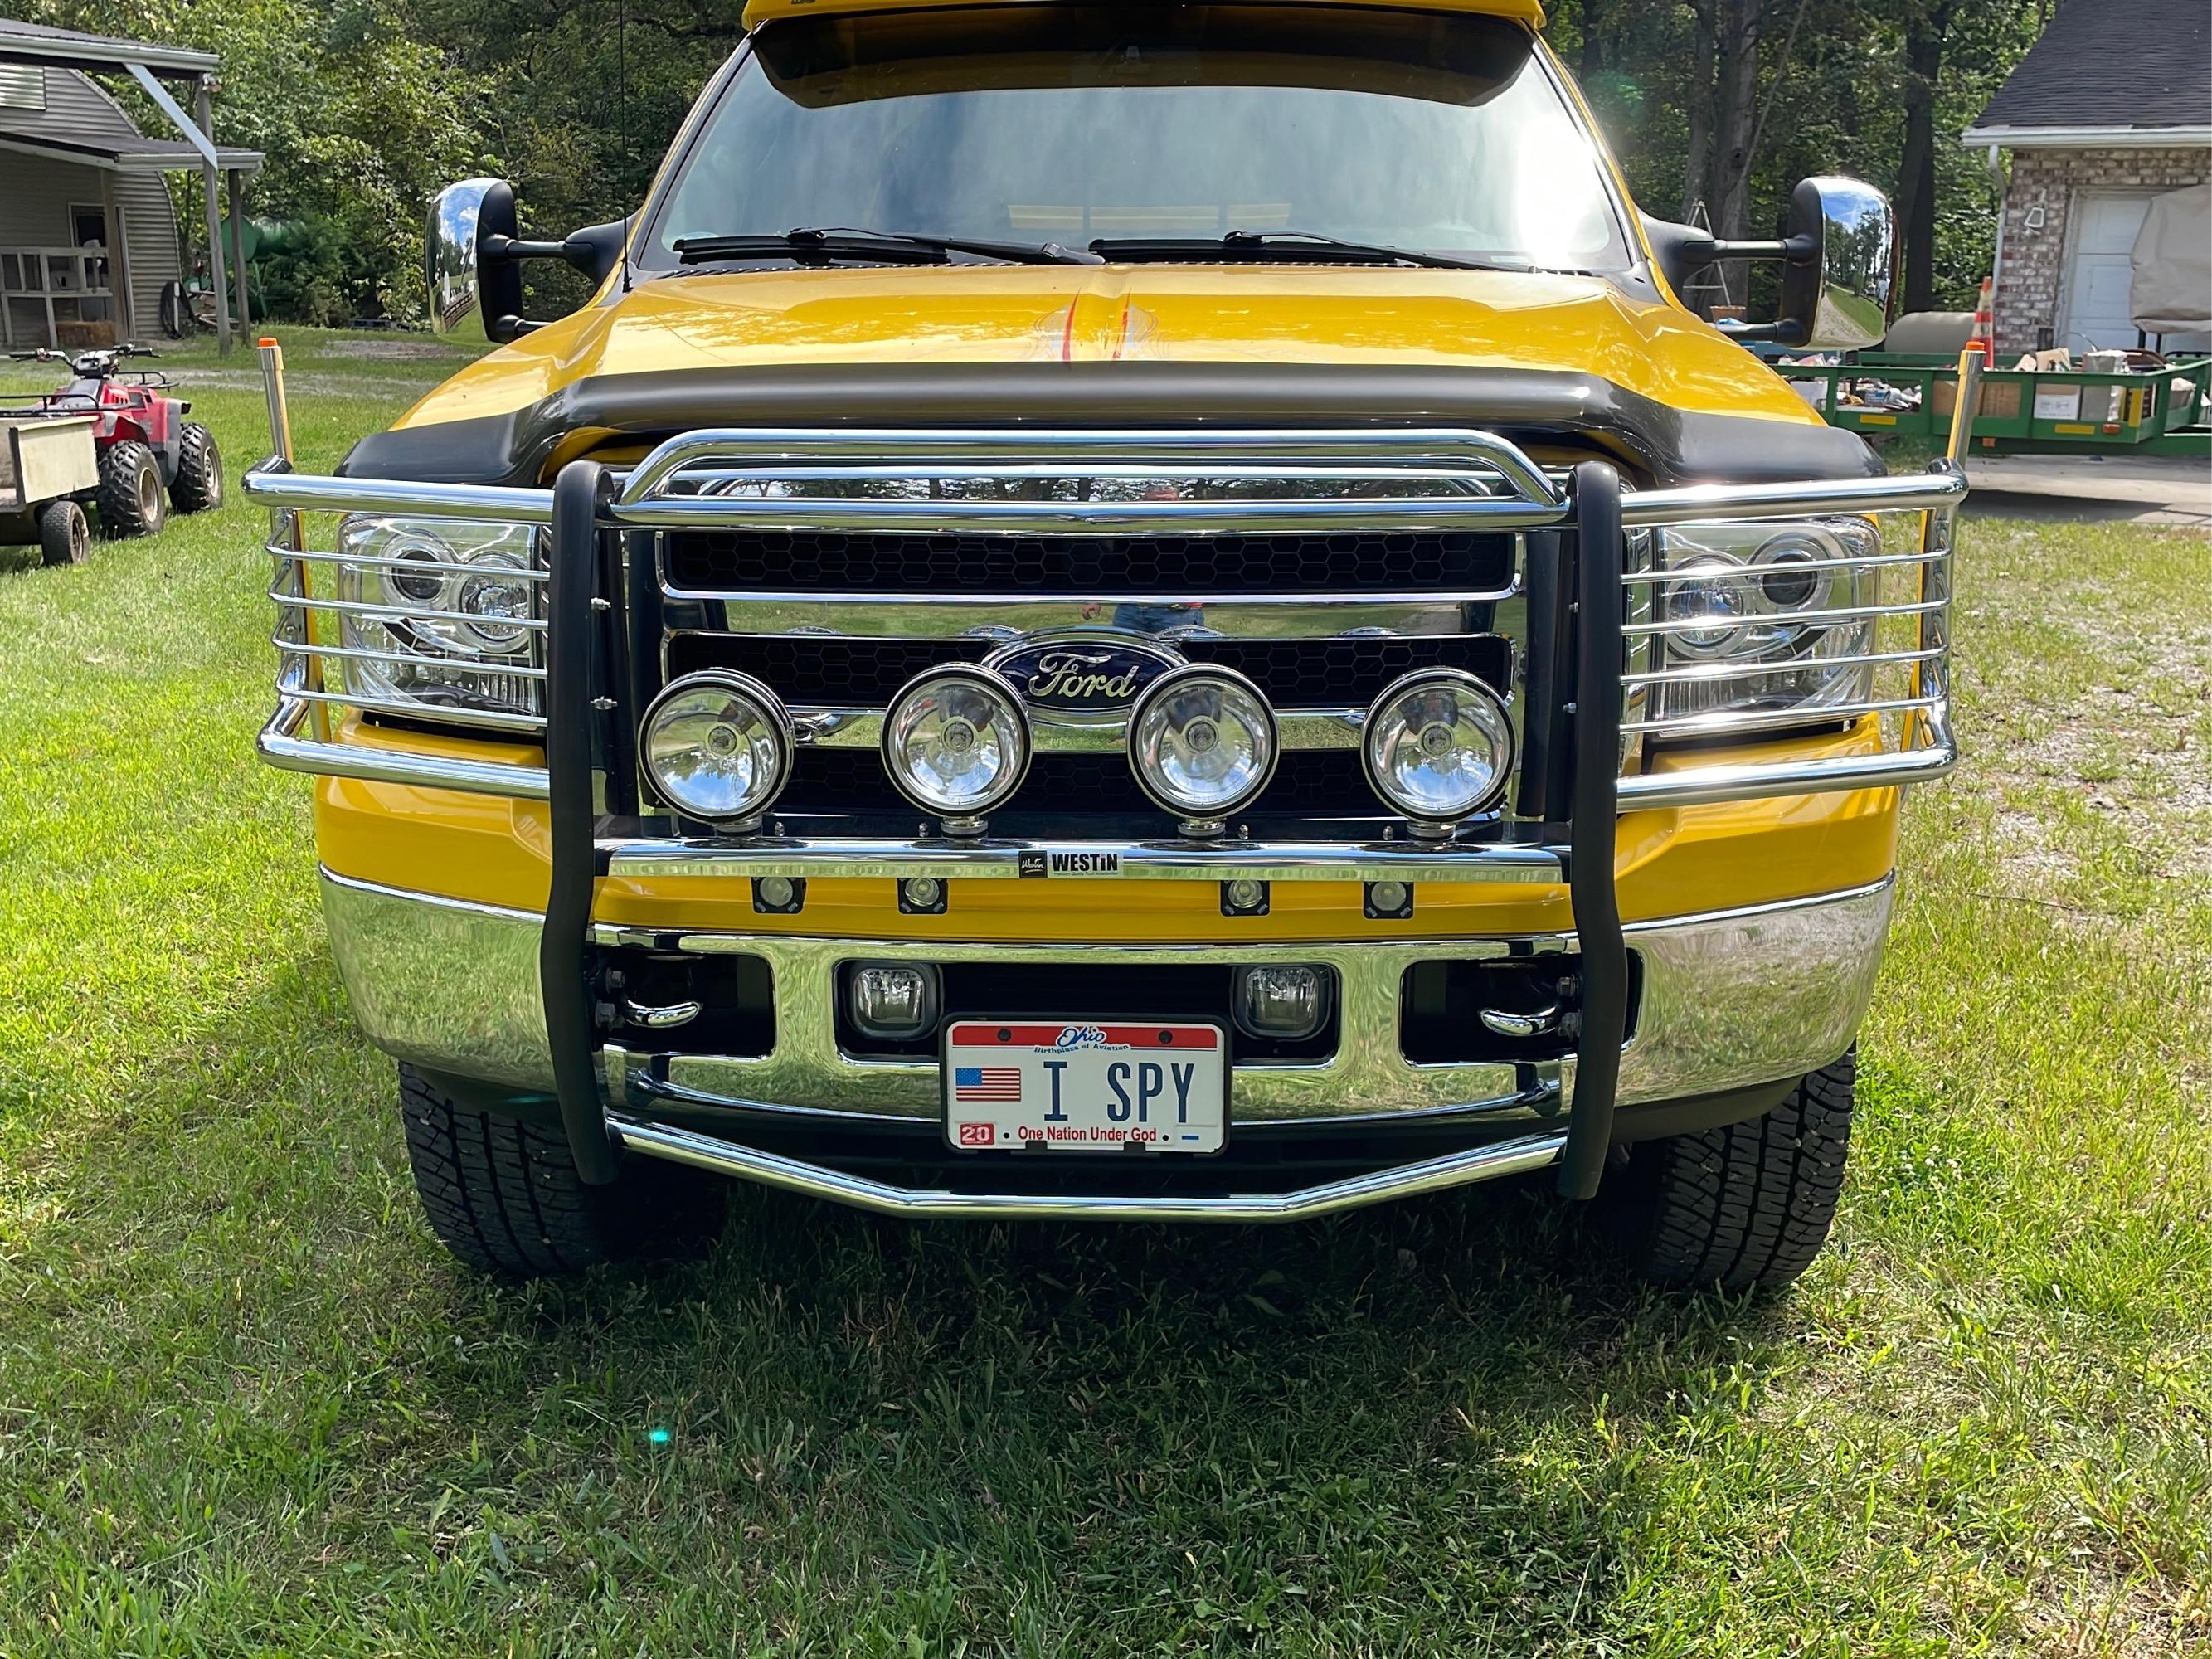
(147, 448)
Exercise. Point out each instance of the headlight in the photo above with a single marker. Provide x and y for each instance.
(1438, 746)
(956, 742)
(1202, 743)
(718, 747)
(1749, 615)
(456, 619)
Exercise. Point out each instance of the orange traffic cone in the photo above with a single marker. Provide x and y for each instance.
(1984, 338)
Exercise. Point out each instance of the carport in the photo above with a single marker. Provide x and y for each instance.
(38, 65)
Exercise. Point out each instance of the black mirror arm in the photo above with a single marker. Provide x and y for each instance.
(1793, 250)
(1789, 331)
(594, 251)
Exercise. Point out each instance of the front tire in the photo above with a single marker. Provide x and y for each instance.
(1747, 1205)
(198, 486)
(64, 538)
(504, 1197)
(130, 500)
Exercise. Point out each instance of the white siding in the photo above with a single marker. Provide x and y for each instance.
(36, 192)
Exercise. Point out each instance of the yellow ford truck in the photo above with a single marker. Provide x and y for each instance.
(1121, 611)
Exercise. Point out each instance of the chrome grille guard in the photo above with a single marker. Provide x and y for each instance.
(1593, 612)
(1473, 480)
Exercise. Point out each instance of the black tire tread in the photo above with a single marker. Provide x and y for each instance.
(503, 1194)
(198, 484)
(1748, 1204)
(121, 511)
(64, 536)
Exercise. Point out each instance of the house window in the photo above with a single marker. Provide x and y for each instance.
(22, 86)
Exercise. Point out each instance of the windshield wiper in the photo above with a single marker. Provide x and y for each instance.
(1274, 247)
(838, 244)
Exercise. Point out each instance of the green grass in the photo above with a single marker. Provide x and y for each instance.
(246, 1406)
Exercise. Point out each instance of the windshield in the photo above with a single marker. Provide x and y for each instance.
(1071, 125)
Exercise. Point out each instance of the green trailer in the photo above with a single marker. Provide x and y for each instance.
(2054, 412)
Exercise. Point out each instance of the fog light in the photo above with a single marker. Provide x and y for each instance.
(893, 1003)
(718, 747)
(1282, 1005)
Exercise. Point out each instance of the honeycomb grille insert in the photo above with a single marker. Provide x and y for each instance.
(1329, 674)
(741, 561)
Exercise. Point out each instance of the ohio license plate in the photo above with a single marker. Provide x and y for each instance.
(1073, 1087)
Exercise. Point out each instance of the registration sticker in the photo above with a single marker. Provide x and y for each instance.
(1025, 1086)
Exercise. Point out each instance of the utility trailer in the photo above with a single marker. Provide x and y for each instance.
(49, 470)
(2046, 412)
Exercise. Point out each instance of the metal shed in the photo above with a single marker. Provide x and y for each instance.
(87, 234)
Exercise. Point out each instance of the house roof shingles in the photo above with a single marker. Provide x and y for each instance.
(2144, 64)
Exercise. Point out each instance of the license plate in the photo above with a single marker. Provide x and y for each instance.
(1019, 1086)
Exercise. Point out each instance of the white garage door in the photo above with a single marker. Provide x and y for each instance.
(2101, 281)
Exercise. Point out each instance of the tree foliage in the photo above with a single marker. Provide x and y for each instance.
(364, 107)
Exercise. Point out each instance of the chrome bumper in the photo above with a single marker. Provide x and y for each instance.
(1729, 1000)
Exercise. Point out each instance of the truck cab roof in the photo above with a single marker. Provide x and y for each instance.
(758, 12)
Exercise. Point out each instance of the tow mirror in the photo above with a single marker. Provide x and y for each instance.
(473, 259)
(1840, 266)
(1844, 297)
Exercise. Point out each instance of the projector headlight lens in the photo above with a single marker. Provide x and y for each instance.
(446, 618)
(1439, 746)
(1750, 617)
(956, 742)
(718, 747)
(1202, 742)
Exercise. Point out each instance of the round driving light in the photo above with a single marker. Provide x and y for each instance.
(1202, 743)
(1438, 746)
(956, 742)
(718, 747)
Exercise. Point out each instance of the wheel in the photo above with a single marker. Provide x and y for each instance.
(1747, 1205)
(197, 486)
(64, 538)
(504, 1197)
(130, 500)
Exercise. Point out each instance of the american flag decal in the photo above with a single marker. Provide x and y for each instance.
(983, 1085)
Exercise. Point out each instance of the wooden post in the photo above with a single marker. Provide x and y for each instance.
(238, 249)
(205, 111)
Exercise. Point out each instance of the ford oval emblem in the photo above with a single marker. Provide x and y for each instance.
(1083, 679)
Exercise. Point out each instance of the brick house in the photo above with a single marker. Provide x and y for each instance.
(2111, 109)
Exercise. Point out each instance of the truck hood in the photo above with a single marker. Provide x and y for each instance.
(1170, 343)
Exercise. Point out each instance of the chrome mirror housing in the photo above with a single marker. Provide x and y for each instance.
(1839, 286)
(471, 297)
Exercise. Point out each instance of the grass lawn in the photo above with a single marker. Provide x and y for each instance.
(247, 1406)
